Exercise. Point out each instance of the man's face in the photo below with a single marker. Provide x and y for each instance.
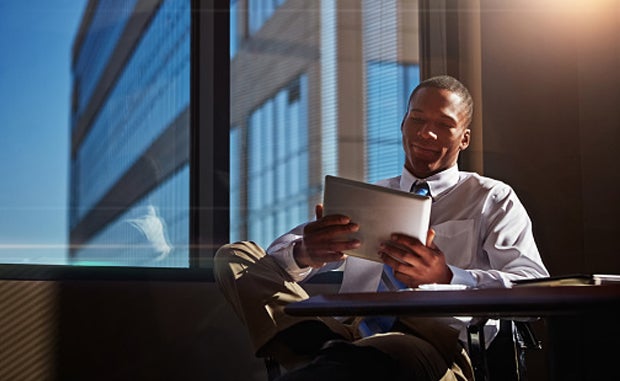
(434, 131)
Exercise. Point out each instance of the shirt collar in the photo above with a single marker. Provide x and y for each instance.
(437, 183)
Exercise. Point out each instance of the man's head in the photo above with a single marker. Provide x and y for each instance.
(436, 125)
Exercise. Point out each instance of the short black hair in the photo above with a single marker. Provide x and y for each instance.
(451, 84)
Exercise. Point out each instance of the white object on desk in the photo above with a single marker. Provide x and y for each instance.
(441, 287)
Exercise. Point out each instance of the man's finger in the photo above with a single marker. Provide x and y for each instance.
(406, 240)
(430, 236)
(318, 211)
(332, 219)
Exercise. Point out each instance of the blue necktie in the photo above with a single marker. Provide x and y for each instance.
(377, 324)
(420, 188)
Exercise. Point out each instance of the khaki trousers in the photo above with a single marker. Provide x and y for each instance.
(258, 289)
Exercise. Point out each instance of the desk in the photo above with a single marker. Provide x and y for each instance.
(490, 302)
(563, 303)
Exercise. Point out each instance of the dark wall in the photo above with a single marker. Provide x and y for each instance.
(551, 121)
(150, 331)
(121, 330)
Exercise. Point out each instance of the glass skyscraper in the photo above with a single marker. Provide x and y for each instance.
(129, 194)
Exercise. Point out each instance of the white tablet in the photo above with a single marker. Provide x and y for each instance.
(379, 212)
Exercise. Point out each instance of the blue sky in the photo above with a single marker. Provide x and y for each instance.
(36, 38)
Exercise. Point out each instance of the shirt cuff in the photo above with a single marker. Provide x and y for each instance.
(283, 254)
(460, 276)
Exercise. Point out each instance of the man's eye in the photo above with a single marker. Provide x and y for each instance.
(417, 120)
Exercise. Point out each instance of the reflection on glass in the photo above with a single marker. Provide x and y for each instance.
(152, 233)
(153, 227)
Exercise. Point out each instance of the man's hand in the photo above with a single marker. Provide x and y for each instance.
(414, 263)
(325, 239)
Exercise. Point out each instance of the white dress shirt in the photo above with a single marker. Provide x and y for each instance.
(480, 225)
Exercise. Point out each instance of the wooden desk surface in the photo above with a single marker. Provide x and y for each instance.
(491, 302)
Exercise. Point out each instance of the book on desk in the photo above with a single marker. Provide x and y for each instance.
(570, 280)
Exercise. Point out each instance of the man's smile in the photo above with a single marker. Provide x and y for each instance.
(424, 151)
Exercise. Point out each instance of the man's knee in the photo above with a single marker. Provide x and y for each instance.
(241, 249)
(417, 358)
(243, 252)
(231, 259)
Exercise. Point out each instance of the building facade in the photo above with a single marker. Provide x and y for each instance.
(129, 191)
(317, 88)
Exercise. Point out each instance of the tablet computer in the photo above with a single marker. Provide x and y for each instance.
(379, 212)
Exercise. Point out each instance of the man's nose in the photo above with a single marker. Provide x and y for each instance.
(427, 131)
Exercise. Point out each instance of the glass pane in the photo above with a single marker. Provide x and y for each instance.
(320, 87)
(106, 179)
(129, 171)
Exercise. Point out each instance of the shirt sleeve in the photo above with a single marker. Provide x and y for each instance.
(282, 251)
(460, 276)
(508, 242)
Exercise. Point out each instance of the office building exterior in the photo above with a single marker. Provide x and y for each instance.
(129, 191)
(317, 88)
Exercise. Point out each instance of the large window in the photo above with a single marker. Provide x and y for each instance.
(320, 89)
(130, 148)
(107, 179)
(109, 119)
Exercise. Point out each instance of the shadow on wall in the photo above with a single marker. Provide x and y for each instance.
(151, 331)
(127, 330)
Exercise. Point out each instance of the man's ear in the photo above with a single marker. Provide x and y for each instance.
(465, 139)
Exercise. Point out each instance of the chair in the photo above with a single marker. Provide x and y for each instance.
(273, 368)
(504, 360)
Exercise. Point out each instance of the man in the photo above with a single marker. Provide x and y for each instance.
(480, 237)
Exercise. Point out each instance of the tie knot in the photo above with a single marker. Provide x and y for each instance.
(421, 189)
